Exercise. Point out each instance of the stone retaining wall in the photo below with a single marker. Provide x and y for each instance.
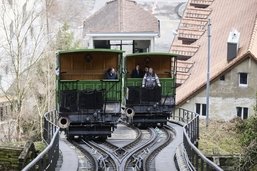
(15, 158)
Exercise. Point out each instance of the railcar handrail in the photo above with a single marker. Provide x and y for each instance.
(47, 159)
(190, 141)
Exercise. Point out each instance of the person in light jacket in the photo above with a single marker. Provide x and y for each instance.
(150, 80)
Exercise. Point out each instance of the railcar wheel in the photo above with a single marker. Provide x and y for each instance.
(70, 137)
(159, 125)
(103, 138)
(100, 138)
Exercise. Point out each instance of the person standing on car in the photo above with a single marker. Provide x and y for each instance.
(150, 80)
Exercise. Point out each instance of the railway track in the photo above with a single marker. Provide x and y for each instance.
(121, 152)
(169, 135)
(125, 153)
(89, 162)
(138, 154)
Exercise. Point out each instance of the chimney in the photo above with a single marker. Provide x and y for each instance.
(233, 44)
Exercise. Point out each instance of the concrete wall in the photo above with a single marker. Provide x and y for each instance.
(226, 95)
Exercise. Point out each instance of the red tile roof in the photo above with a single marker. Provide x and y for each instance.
(121, 16)
(184, 51)
(191, 23)
(225, 16)
(201, 3)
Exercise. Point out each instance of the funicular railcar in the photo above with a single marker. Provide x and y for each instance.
(150, 107)
(88, 104)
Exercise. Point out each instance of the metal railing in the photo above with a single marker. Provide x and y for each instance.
(47, 159)
(190, 141)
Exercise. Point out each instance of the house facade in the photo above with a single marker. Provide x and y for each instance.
(232, 94)
(233, 58)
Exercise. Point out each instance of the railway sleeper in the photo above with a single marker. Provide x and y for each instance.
(120, 152)
(102, 162)
(138, 162)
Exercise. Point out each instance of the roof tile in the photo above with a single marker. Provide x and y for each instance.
(121, 16)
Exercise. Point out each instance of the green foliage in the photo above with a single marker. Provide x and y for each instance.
(248, 132)
(65, 39)
(220, 138)
(248, 129)
(40, 146)
(31, 128)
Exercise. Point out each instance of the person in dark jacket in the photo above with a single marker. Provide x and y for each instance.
(111, 74)
(137, 73)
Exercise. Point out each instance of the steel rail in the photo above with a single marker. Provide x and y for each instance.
(169, 137)
(120, 152)
(127, 159)
(110, 157)
(137, 139)
(88, 155)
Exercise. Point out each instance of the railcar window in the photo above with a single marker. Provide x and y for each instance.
(87, 66)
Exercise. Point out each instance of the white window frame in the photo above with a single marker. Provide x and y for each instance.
(239, 79)
(242, 112)
(201, 109)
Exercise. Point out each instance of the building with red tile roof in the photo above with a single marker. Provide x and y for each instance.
(122, 20)
(233, 69)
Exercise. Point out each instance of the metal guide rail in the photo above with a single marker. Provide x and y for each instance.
(47, 159)
(196, 160)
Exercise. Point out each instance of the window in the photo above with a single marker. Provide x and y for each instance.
(6, 69)
(203, 109)
(222, 78)
(6, 110)
(242, 112)
(200, 109)
(243, 79)
(1, 113)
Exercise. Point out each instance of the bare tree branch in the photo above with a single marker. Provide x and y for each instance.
(23, 45)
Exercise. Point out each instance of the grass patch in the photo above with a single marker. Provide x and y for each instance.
(220, 138)
(39, 146)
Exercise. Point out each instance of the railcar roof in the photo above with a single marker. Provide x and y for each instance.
(89, 50)
(152, 54)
